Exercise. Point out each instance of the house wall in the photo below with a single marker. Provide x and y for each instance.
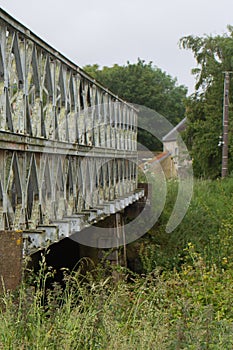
(172, 147)
(168, 167)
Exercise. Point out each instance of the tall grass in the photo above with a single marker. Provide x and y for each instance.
(185, 303)
(209, 217)
(186, 309)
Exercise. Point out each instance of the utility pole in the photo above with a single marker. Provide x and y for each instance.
(225, 124)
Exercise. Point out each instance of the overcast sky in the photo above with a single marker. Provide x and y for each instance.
(108, 32)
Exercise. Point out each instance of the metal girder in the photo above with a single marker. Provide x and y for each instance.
(44, 235)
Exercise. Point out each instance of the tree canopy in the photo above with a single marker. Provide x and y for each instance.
(144, 84)
(204, 109)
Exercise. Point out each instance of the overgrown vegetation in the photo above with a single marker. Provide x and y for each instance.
(183, 300)
(208, 225)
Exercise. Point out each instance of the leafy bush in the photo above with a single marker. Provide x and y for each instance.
(208, 225)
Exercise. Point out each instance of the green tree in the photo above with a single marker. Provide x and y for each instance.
(143, 84)
(214, 56)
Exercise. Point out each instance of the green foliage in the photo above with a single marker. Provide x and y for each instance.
(183, 301)
(208, 225)
(143, 84)
(185, 309)
(204, 109)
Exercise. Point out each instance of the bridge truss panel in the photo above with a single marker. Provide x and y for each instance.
(67, 144)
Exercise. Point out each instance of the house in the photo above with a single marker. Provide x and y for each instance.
(170, 142)
(160, 162)
(168, 161)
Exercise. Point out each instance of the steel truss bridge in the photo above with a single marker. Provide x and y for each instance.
(68, 146)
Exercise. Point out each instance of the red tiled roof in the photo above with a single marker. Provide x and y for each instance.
(158, 157)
